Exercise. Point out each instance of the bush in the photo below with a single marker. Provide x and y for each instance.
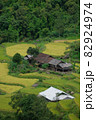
(17, 58)
(45, 65)
(33, 51)
(24, 67)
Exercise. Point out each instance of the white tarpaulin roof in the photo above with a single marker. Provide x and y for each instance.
(54, 94)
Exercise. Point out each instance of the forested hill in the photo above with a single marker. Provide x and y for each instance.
(34, 19)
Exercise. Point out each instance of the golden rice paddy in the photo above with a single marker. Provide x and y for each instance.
(10, 88)
(5, 78)
(19, 48)
(55, 49)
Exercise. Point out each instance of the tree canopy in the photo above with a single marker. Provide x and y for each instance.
(33, 51)
(20, 19)
(17, 58)
(30, 107)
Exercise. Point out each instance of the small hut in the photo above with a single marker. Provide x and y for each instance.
(53, 63)
(64, 66)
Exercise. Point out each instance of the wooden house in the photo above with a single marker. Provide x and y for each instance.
(59, 65)
(54, 64)
(64, 66)
(43, 58)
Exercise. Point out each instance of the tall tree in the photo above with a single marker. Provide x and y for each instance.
(31, 107)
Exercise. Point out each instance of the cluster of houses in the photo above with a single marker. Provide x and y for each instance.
(54, 64)
(51, 94)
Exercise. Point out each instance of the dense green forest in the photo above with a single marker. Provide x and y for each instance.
(34, 19)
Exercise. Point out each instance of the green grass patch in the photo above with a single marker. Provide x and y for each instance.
(76, 75)
(32, 90)
(3, 56)
(77, 99)
(2, 92)
(53, 107)
(73, 117)
(66, 104)
(4, 103)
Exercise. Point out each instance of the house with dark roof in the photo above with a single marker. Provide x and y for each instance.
(43, 58)
(54, 64)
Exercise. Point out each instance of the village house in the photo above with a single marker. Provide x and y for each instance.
(54, 64)
(43, 58)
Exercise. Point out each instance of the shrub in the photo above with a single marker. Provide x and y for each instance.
(17, 58)
(24, 67)
(33, 51)
(45, 65)
(75, 50)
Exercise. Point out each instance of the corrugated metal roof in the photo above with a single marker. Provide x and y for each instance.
(54, 62)
(29, 56)
(63, 65)
(54, 94)
(25, 58)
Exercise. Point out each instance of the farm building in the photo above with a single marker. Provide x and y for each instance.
(54, 64)
(64, 66)
(43, 58)
(59, 65)
(54, 94)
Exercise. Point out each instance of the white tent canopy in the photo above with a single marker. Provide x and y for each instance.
(54, 94)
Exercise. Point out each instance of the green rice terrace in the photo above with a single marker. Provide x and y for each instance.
(68, 82)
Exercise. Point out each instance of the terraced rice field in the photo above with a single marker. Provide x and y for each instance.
(9, 84)
(19, 48)
(53, 107)
(3, 55)
(24, 82)
(55, 49)
(33, 90)
(73, 117)
(62, 41)
(66, 104)
(5, 78)
(10, 88)
(4, 100)
(70, 82)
